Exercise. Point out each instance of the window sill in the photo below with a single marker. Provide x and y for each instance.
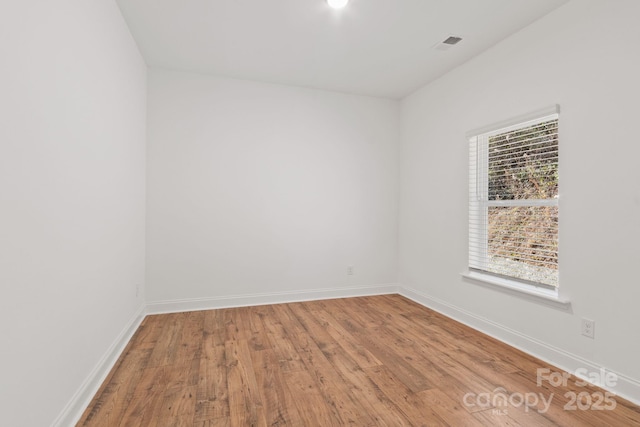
(541, 295)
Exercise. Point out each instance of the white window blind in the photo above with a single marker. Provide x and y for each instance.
(513, 199)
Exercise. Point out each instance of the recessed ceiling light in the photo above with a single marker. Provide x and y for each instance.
(337, 4)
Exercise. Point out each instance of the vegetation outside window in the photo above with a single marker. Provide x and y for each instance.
(513, 199)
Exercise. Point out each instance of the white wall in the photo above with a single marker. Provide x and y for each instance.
(259, 189)
(585, 57)
(72, 158)
(256, 188)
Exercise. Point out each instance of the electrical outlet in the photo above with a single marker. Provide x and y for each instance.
(588, 328)
(350, 270)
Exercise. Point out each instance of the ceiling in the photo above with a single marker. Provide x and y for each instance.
(372, 47)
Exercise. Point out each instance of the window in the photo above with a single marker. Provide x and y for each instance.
(513, 200)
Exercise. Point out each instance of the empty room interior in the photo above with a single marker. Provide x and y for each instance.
(320, 212)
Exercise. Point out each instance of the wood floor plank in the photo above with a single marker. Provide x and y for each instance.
(179, 403)
(413, 353)
(508, 417)
(351, 345)
(414, 328)
(335, 392)
(369, 361)
(184, 374)
(213, 323)
(147, 334)
(355, 313)
(245, 404)
(367, 404)
(365, 391)
(107, 408)
(407, 371)
(234, 324)
(212, 397)
(451, 411)
(280, 341)
(190, 345)
(215, 422)
(164, 351)
(278, 400)
(366, 331)
(146, 406)
(309, 401)
(408, 402)
(117, 391)
(254, 321)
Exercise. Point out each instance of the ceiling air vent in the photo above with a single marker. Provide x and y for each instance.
(448, 42)
(452, 40)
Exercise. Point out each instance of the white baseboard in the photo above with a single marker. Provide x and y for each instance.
(81, 399)
(627, 388)
(197, 304)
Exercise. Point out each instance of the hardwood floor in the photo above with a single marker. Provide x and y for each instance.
(370, 361)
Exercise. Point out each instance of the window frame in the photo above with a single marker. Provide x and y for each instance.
(478, 186)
